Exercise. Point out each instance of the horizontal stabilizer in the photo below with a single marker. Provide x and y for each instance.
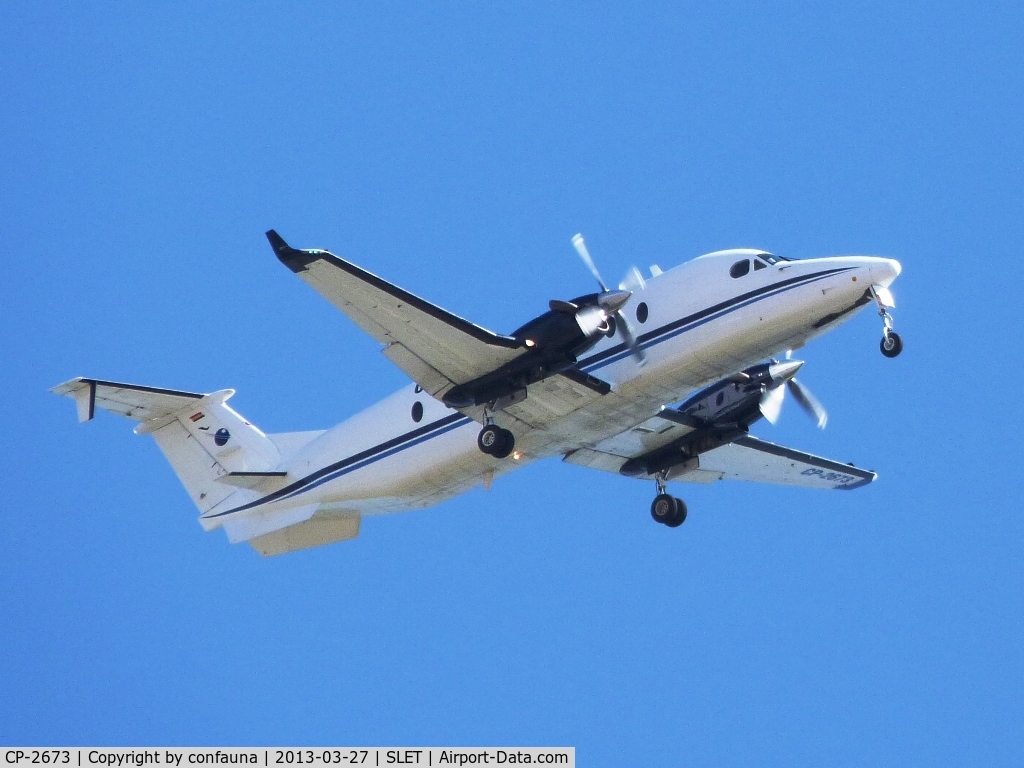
(130, 400)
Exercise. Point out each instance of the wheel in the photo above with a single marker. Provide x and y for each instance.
(489, 439)
(663, 508)
(505, 445)
(679, 517)
(891, 344)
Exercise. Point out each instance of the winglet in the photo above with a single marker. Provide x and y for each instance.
(84, 393)
(276, 242)
(292, 258)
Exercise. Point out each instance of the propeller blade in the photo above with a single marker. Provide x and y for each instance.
(633, 281)
(581, 249)
(809, 402)
(771, 403)
(628, 337)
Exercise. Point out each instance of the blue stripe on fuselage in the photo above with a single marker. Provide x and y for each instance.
(362, 458)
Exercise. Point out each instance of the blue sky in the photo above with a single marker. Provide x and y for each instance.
(455, 149)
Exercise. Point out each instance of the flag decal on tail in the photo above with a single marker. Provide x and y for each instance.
(196, 416)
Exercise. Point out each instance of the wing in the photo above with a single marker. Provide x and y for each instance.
(434, 347)
(748, 459)
(763, 462)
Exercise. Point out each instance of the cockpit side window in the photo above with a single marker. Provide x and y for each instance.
(740, 268)
(758, 264)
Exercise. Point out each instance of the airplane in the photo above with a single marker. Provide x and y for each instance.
(593, 380)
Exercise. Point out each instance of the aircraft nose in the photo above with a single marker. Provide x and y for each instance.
(884, 271)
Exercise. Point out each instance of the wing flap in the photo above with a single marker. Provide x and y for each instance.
(585, 457)
(430, 379)
(556, 397)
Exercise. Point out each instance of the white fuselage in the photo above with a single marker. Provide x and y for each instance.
(701, 325)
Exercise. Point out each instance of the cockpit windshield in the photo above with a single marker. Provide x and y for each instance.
(772, 259)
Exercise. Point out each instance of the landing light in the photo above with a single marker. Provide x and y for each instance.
(516, 455)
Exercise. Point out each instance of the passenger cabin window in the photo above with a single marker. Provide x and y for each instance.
(740, 268)
(758, 264)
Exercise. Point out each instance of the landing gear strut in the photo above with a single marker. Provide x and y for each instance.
(666, 509)
(496, 441)
(891, 344)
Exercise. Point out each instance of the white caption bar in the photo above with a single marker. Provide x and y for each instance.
(285, 757)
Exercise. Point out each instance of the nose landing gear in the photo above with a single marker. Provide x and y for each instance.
(891, 344)
(666, 509)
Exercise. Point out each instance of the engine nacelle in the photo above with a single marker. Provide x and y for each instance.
(554, 341)
(733, 400)
(717, 415)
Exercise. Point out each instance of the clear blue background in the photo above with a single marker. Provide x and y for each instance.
(455, 149)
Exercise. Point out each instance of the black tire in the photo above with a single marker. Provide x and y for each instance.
(663, 508)
(891, 344)
(680, 516)
(490, 439)
(505, 446)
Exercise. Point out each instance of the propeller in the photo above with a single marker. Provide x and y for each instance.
(773, 397)
(613, 301)
(809, 402)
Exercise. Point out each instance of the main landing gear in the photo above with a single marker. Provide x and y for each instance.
(496, 441)
(891, 344)
(666, 509)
